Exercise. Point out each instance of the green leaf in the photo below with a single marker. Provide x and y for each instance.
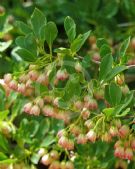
(100, 42)
(105, 66)
(124, 113)
(26, 55)
(86, 61)
(8, 161)
(43, 128)
(35, 158)
(5, 45)
(50, 33)
(30, 44)
(38, 19)
(124, 47)
(72, 88)
(108, 112)
(113, 94)
(20, 41)
(24, 28)
(125, 103)
(4, 145)
(63, 51)
(116, 70)
(48, 141)
(70, 28)
(42, 33)
(79, 41)
(4, 114)
(105, 50)
(3, 156)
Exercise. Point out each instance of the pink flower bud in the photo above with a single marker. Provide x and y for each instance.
(89, 124)
(99, 94)
(13, 85)
(91, 104)
(35, 110)
(21, 88)
(63, 141)
(96, 57)
(41, 78)
(78, 67)
(48, 110)
(128, 154)
(55, 165)
(133, 143)
(62, 75)
(119, 152)
(81, 139)
(39, 102)
(124, 131)
(33, 75)
(54, 154)
(48, 99)
(70, 145)
(85, 113)
(78, 105)
(75, 130)
(23, 78)
(42, 151)
(7, 78)
(32, 67)
(29, 83)
(69, 165)
(113, 131)
(133, 43)
(63, 165)
(117, 123)
(56, 102)
(61, 133)
(46, 159)
(118, 144)
(27, 107)
(106, 137)
(91, 135)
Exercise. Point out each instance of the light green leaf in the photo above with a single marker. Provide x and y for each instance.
(79, 41)
(24, 28)
(38, 19)
(70, 28)
(105, 66)
(113, 94)
(50, 33)
(116, 70)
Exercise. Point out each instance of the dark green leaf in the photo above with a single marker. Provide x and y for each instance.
(105, 50)
(26, 55)
(100, 42)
